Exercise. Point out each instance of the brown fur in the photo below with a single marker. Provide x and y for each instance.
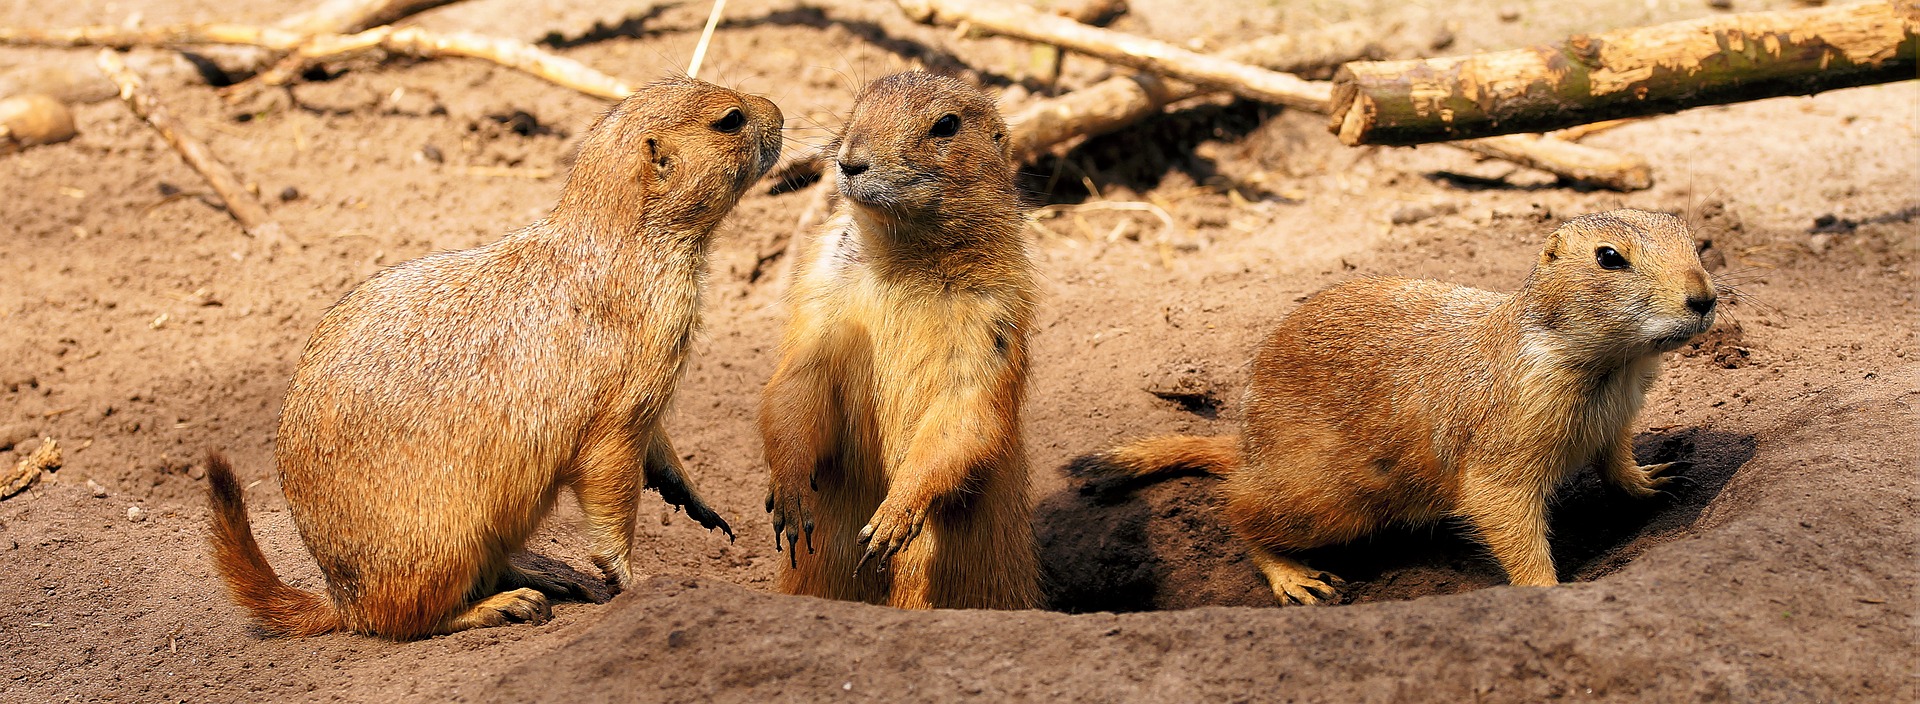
(892, 425)
(441, 405)
(1385, 401)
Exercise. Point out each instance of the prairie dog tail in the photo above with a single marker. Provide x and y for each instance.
(276, 607)
(1164, 456)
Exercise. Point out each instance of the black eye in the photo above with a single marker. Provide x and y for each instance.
(731, 122)
(946, 126)
(1609, 259)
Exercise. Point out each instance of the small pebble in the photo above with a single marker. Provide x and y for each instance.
(1509, 14)
(99, 492)
(432, 153)
(1819, 243)
(136, 514)
(1720, 4)
(289, 193)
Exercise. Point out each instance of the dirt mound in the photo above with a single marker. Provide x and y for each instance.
(1707, 617)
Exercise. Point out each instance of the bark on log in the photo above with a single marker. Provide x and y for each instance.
(240, 203)
(1626, 73)
(1125, 49)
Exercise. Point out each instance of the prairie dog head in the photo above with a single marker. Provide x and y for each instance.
(676, 154)
(1622, 282)
(921, 147)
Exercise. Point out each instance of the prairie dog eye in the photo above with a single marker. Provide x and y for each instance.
(1609, 258)
(947, 126)
(730, 122)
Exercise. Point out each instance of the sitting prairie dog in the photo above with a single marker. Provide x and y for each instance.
(892, 424)
(441, 405)
(1395, 401)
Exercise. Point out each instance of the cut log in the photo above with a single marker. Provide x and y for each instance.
(1125, 49)
(1626, 73)
(239, 201)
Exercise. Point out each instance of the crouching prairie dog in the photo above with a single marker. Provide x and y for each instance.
(1394, 401)
(440, 406)
(892, 424)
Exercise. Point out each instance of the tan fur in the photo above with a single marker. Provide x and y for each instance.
(1385, 401)
(441, 405)
(892, 425)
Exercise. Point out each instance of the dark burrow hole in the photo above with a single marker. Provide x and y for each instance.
(1163, 545)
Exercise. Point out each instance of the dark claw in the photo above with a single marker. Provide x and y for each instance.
(769, 502)
(793, 556)
(808, 527)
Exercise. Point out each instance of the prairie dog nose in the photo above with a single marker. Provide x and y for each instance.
(853, 168)
(1702, 304)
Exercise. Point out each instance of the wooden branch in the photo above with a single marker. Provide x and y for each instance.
(1627, 73)
(171, 35)
(1124, 49)
(1577, 162)
(348, 16)
(240, 203)
(706, 37)
(413, 41)
(1118, 102)
(306, 50)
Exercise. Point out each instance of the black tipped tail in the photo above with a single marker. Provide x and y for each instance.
(276, 607)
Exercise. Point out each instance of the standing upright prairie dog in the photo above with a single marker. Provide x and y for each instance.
(892, 424)
(1394, 401)
(441, 405)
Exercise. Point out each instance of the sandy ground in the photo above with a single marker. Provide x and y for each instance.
(141, 328)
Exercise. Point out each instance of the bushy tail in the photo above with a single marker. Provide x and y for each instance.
(276, 607)
(1163, 456)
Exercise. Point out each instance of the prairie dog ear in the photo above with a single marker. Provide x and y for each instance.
(661, 160)
(1551, 251)
(1005, 142)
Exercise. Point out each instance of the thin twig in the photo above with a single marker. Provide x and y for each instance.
(240, 203)
(706, 35)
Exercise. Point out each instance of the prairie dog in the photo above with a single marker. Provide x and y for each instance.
(1385, 401)
(892, 424)
(440, 406)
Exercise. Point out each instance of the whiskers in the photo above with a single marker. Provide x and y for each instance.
(1731, 288)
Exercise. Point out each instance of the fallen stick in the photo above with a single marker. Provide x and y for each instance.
(1577, 162)
(1626, 73)
(1118, 102)
(349, 16)
(305, 50)
(240, 203)
(1046, 61)
(1125, 49)
(170, 35)
(412, 41)
(706, 36)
